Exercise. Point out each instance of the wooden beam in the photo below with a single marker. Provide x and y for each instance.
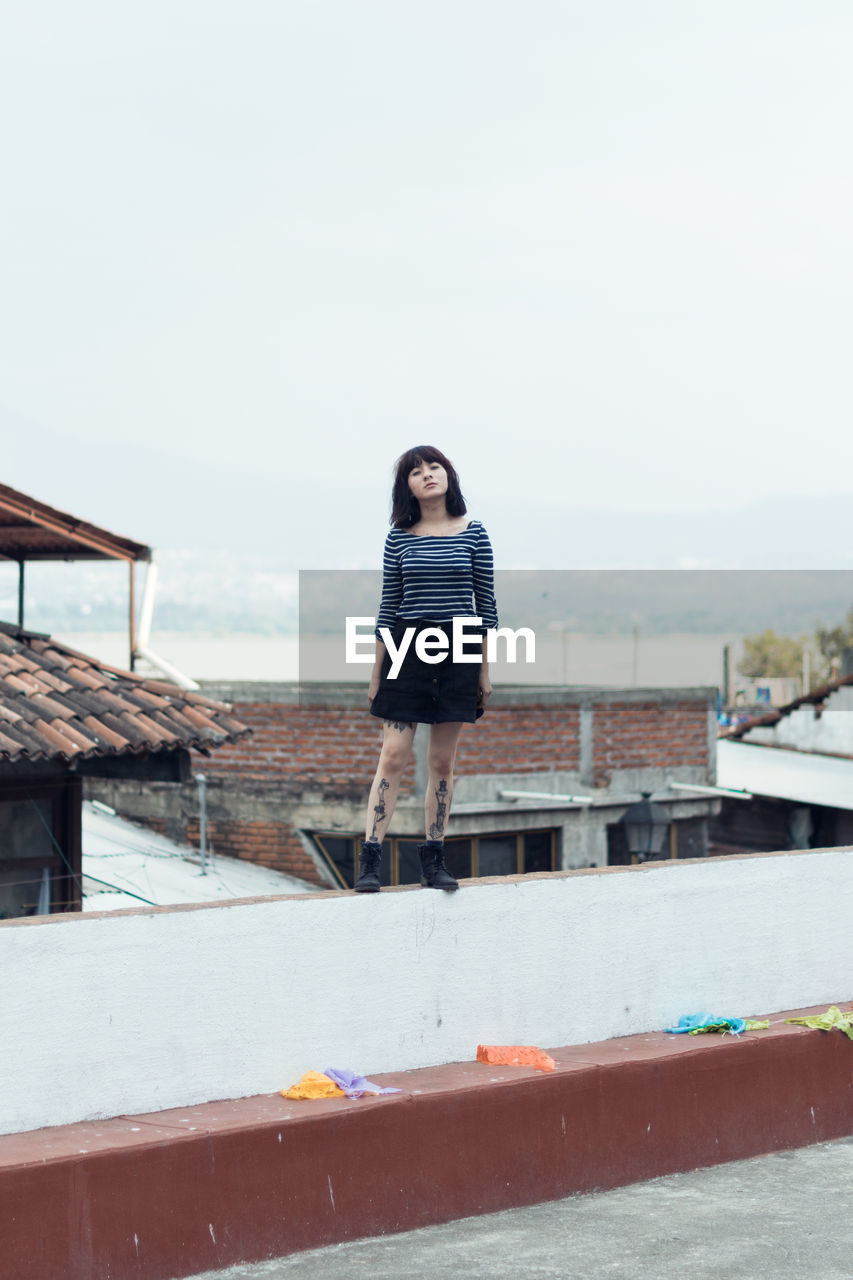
(66, 553)
(90, 537)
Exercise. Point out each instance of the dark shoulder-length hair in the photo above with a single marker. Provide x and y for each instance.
(405, 508)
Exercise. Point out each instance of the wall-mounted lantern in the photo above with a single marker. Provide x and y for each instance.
(646, 827)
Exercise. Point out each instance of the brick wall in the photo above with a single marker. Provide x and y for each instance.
(269, 843)
(522, 739)
(336, 748)
(339, 748)
(641, 735)
(272, 844)
(327, 747)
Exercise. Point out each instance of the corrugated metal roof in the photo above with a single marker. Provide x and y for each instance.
(57, 704)
(806, 777)
(125, 865)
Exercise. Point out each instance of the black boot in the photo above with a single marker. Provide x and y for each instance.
(434, 874)
(368, 868)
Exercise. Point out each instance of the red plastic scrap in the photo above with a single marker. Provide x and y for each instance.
(515, 1055)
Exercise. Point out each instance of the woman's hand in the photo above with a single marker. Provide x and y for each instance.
(373, 687)
(485, 687)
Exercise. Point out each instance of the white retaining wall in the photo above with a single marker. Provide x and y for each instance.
(139, 1011)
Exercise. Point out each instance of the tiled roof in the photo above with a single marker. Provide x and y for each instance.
(57, 704)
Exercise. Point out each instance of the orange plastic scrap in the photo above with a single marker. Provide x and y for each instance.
(515, 1055)
(313, 1085)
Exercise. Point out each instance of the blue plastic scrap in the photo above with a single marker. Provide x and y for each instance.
(694, 1023)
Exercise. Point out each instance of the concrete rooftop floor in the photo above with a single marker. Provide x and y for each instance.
(784, 1216)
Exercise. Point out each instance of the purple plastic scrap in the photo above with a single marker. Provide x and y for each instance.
(354, 1085)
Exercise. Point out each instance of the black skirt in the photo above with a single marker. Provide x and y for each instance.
(427, 692)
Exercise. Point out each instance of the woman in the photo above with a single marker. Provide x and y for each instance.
(437, 565)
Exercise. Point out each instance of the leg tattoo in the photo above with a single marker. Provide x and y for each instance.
(379, 809)
(397, 739)
(436, 829)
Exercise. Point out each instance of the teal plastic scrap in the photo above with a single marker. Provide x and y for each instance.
(694, 1024)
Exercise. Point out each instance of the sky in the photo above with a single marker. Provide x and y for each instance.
(599, 253)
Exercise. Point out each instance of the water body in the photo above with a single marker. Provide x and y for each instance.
(561, 657)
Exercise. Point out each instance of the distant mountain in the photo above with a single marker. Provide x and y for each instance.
(775, 533)
(656, 602)
(231, 538)
(294, 520)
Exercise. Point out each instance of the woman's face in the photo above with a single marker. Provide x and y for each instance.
(427, 480)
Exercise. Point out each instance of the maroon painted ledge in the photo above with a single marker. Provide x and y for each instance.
(176, 1192)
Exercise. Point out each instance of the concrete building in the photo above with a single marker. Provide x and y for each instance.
(541, 781)
(796, 763)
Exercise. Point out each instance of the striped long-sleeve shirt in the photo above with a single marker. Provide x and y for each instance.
(438, 577)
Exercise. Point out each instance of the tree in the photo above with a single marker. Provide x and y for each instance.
(832, 641)
(769, 654)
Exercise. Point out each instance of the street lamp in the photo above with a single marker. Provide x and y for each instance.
(646, 825)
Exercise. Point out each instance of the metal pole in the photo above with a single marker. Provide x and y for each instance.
(146, 608)
(132, 617)
(21, 594)
(201, 780)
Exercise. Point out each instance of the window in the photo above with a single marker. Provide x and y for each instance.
(339, 853)
(508, 853)
(39, 848)
(539, 851)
